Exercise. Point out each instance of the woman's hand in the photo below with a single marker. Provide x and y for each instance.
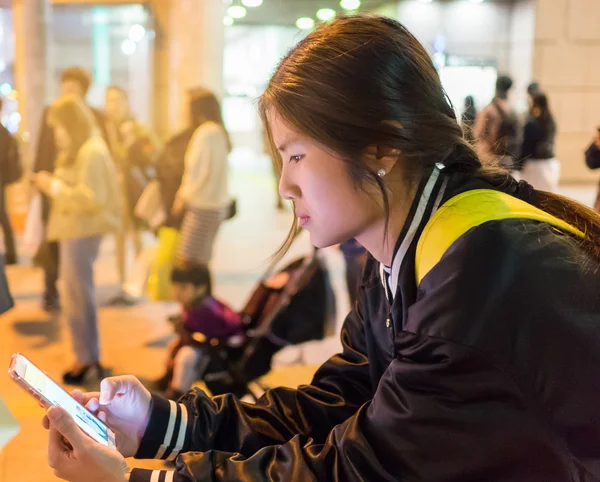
(123, 403)
(178, 205)
(76, 457)
(43, 181)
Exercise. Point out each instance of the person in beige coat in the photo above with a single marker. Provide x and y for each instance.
(85, 205)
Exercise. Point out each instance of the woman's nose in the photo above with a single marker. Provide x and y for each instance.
(288, 189)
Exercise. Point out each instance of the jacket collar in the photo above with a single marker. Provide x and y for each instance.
(426, 202)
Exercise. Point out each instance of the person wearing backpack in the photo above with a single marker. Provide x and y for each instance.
(496, 128)
(11, 171)
(473, 353)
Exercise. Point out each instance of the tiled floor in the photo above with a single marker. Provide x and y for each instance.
(133, 339)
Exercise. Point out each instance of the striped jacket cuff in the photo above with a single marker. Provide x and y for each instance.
(168, 431)
(143, 475)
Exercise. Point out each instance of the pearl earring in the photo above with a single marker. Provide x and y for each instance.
(381, 172)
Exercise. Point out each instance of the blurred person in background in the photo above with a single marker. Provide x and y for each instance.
(532, 89)
(468, 118)
(537, 164)
(74, 81)
(592, 159)
(11, 171)
(203, 197)
(133, 150)
(85, 205)
(496, 128)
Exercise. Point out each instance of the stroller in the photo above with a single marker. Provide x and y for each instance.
(301, 308)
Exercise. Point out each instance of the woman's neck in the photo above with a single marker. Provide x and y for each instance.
(376, 240)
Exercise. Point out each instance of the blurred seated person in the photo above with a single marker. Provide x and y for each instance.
(203, 318)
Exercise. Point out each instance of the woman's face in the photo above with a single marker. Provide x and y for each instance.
(116, 106)
(326, 201)
(61, 137)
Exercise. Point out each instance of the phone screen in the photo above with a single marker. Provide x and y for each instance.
(56, 395)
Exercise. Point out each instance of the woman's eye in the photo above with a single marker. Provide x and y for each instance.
(296, 158)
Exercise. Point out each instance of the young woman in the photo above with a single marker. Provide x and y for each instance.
(204, 193)
(133, 149)
(486, 370)
(85, 205)
(538, 165)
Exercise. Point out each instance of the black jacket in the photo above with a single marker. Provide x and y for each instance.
(538, 140)
(488, 371)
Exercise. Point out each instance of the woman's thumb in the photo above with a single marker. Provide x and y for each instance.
(108, 390)
(66, 426)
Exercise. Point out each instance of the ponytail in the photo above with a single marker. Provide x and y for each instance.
(577, 215)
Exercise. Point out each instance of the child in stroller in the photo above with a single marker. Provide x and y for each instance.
(291, 306)
(203, 319)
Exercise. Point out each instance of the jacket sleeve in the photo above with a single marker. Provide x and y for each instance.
(225, 423)
(89, 193)
(45, 154)
(592, 157)
(445, 409)
(442, 411)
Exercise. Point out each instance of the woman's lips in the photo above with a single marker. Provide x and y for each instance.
(303, 219)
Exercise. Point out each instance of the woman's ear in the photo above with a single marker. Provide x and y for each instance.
(382, 159)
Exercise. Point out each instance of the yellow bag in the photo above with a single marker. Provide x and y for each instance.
(159, 280)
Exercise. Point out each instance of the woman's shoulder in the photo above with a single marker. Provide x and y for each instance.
(511, 276)
(94, 152)
(94, 145)
(209, 130)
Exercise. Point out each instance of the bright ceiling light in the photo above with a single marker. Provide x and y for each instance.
(137, 32)
(227, 21)
(236, 11)
(476, 1)
(350, 4)
(305, 23)
(5, 88)
(252, 3)
(128, 47)
(326, 14)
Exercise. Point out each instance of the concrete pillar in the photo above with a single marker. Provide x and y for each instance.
(31, 23)
(565, 63)
(188, 53)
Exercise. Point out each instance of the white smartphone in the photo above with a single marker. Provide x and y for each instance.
(48, 393)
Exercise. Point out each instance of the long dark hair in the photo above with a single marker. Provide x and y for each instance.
(540, 101)
(77, 119)
(363, 81)
(204, 107)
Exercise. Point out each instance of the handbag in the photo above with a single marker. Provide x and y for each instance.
(159, 279)
(150, 207)
(34, 226)
(231, 210)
